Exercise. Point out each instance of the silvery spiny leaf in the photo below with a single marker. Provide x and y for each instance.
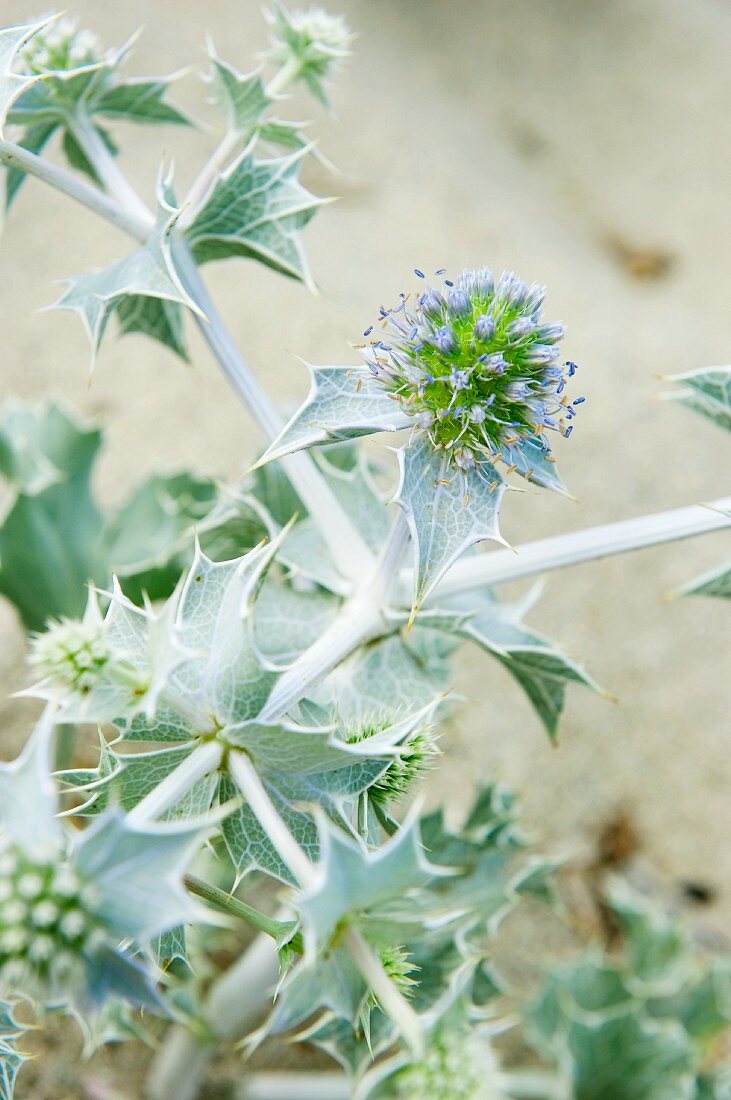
(256, 210)
(448, 510)
(303, 769)
(343, 403)
(148, 273)
(70, 75)
(84, 893)
(707, 391)
(537, 664)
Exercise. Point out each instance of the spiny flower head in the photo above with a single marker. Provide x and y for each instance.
(397, 963)
(72, 654)
(311, 41)
(48, 922)
(415, 757)
(61, 47)
(475, 365)
(459, 1065)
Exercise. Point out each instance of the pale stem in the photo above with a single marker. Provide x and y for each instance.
(350, 552)
(393, 1003)
(360, 620)
(578, 546)
(202, 760)
(298, 1086)
(235, 1003)
(112, 177)
(14, 156)
(387, 994)
(246, 778)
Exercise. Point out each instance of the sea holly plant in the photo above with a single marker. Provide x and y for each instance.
(266, 665)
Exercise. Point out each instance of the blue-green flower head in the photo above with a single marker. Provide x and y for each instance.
(475, 365)
(61, 47)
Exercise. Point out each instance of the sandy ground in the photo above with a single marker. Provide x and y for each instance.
(583, 144)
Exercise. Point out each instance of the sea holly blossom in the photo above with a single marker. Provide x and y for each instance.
(474, 372)
(475, 367)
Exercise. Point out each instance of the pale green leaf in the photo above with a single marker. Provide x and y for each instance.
(448, 510)
(240, 97)
(343, 403)
(717, 582)
(50, 538)
(149, 273)
(256, 210)
(137, 874)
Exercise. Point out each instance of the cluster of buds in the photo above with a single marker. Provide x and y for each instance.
(308, 43)
(474, 365)
(414, 758)
(47, 923)
(459, 1065)
(61, 47)
(72, 654)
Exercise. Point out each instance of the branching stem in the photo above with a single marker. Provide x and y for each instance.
(202, 760)
(579, 546)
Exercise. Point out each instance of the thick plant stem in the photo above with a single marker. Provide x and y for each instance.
(360, 620)
(235, 1003)
(578, 546)
(246, 778)
(203, 759)
(14, 156)
(113, 179)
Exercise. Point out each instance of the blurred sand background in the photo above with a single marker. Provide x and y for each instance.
(584, 144)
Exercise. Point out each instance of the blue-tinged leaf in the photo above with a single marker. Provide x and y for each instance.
(28, 799)
(448, 509)
(532, 459)
(343, 403)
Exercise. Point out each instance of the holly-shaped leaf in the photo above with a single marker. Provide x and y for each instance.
(343, 403)
(448, 509)
(148, 273)
(256, 210)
